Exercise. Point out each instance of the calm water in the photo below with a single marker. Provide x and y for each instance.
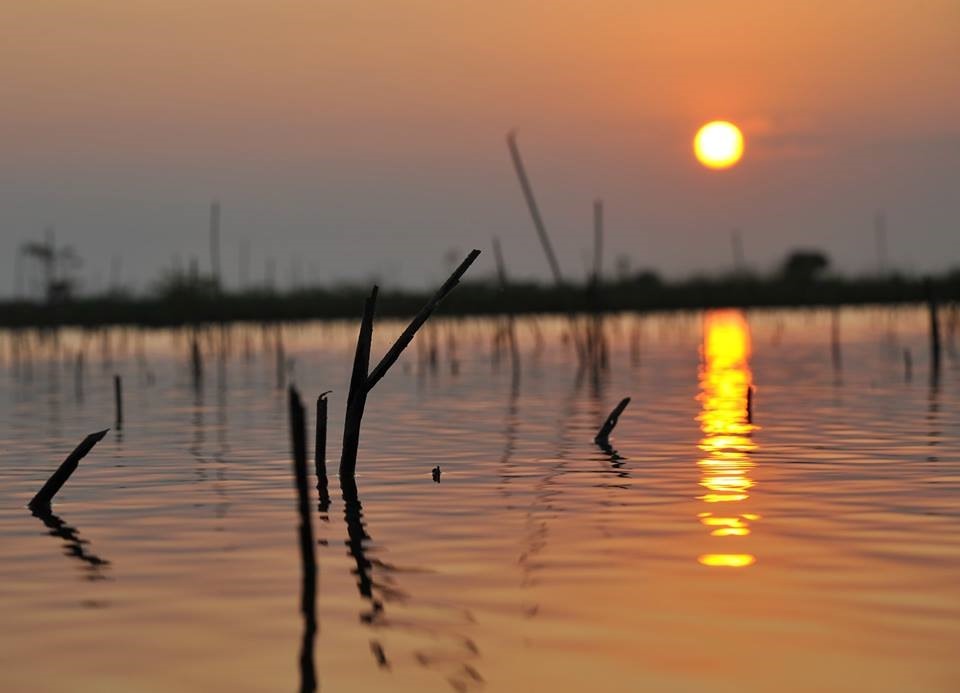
(817, 548)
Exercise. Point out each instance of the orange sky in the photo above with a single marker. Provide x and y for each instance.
(384, 122)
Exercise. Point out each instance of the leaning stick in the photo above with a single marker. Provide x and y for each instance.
(404, 339)
(357, 394)
(603, 435)
(41, 501)
(361, 382)
(542, 234)
(532, 206)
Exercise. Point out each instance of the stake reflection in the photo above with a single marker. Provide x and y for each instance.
(727, 444)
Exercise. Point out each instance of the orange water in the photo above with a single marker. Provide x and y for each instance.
(816, 547)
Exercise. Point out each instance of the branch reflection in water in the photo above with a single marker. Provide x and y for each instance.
(74, 546)
(727, 443)
(381, 589)
(308, 590)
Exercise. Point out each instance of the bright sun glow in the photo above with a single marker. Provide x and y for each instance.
(727, 443)
(718, 144)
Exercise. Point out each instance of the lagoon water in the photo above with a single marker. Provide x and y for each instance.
(816, 547)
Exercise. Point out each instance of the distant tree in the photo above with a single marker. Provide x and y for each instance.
(56, 264)
(177, 286)
(647, 279)
(804, 266)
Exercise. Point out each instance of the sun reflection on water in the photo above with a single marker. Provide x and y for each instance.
(727, 444)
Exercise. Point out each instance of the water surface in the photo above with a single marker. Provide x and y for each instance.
(814, 546)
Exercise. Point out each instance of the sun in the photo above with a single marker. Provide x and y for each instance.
(718, 144)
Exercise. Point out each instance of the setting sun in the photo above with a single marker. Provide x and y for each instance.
(718, 144)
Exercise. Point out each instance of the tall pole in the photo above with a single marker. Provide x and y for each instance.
(880, 234)
(737, 243)
(534, 208)
(215, 242)
(243, 265)
(597, 239)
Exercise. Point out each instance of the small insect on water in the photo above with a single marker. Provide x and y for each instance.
(436, 473)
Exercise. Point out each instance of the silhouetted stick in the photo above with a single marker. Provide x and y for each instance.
(603, 435)
(215, 242)
(357, 394)
(750, 404)
(736, 243)
(281, 361)
(298, 439)
(196, 363)
(118, 400)
(835, 352)
(432, 351)
(597, 240)
(596, 337)
(907, 365)
(361, 383)
(501, 266)
(404, 339)
(511, 331)
(542, 233)
(934, 329)
(532, 206)
(78, 377)
(635, 345)
(41, 501)
(320, 451)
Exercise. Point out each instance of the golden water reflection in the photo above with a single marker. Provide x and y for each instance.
(727, 443)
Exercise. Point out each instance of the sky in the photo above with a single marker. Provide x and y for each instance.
(352, 141)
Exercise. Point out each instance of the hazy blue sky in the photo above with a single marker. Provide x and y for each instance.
(351, 140)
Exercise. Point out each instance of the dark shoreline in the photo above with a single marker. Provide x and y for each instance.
(642, 294)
